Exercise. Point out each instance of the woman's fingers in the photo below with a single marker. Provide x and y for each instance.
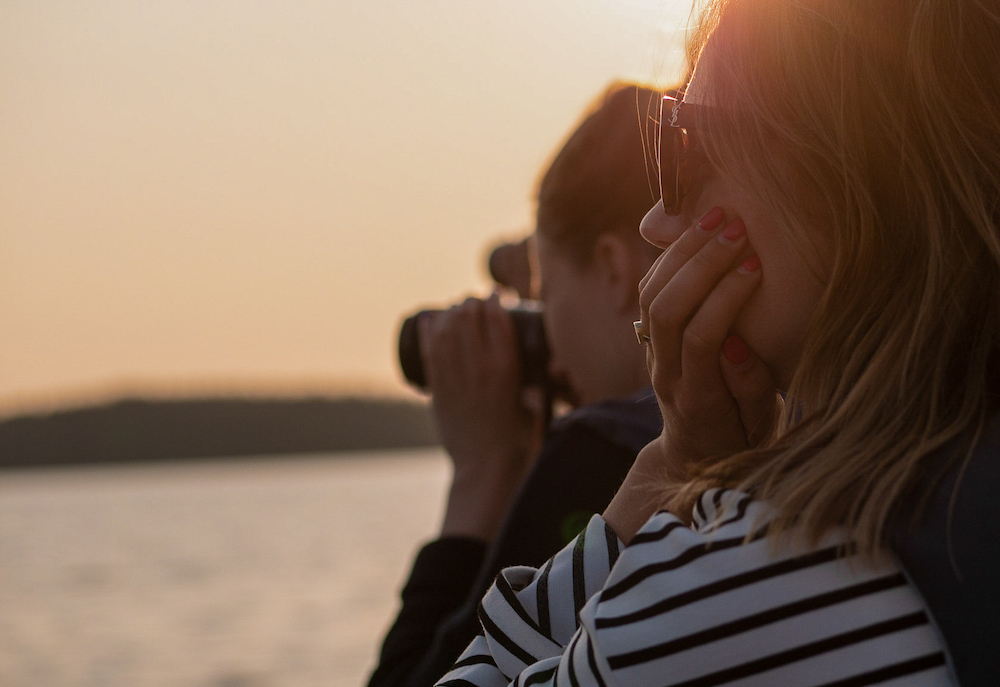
(701, 399)
(676, 257)
(652, 270)
(476, 401)
(671, 260)
(500, 338)
(690, 315)
(680, 303)
(705, 332)
(450, 341)
(499, 326)
(753, 389)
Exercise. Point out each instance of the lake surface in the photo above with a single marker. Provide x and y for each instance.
(278, 572)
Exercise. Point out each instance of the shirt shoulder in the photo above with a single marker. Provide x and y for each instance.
(720, 601)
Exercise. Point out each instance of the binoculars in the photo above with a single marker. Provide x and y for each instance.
(532, 346)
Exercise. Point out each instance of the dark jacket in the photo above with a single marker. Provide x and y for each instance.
(584, 459)
(951, 552)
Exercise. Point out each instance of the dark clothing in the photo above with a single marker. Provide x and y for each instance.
(442, 574)
(951, 553)
(953, 557)
(584, 459)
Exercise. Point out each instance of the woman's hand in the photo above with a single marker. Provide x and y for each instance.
(473, 371)
(715, 395)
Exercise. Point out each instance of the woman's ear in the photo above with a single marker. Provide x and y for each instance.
(619, 268)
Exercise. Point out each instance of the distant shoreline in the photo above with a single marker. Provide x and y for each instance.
(143, 430)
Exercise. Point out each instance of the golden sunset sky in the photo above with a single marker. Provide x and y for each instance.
(206, 196)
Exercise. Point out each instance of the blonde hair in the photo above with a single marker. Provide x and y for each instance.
(886, 114)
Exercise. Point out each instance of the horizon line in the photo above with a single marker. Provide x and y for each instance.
(105, 393)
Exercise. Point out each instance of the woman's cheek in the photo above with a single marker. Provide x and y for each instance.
(754, 323)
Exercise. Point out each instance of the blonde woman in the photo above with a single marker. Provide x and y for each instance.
(832, 224)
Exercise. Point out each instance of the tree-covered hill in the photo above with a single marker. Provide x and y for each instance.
(146, 430)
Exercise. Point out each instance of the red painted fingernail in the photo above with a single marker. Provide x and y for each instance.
(712, 220)
(734, 230)
(735, 350)
(751, 264)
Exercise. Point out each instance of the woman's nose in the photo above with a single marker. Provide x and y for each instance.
(659, 228)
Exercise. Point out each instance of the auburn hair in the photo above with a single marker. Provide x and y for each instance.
(603, 179)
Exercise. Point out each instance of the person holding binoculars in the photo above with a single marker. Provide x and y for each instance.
(522, 486)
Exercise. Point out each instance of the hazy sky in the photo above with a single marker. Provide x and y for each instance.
(250, 193)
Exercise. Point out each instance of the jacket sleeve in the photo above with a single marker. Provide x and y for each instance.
(530, 617)
(441, 577)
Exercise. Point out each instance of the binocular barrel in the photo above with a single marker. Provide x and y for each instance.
(532, 346)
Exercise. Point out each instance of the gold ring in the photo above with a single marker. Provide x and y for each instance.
(641, 333)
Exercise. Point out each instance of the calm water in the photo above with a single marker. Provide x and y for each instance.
(276, 572)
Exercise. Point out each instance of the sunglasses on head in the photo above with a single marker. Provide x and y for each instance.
(677, 122)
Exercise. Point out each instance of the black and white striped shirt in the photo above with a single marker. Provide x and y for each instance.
(699, 606)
